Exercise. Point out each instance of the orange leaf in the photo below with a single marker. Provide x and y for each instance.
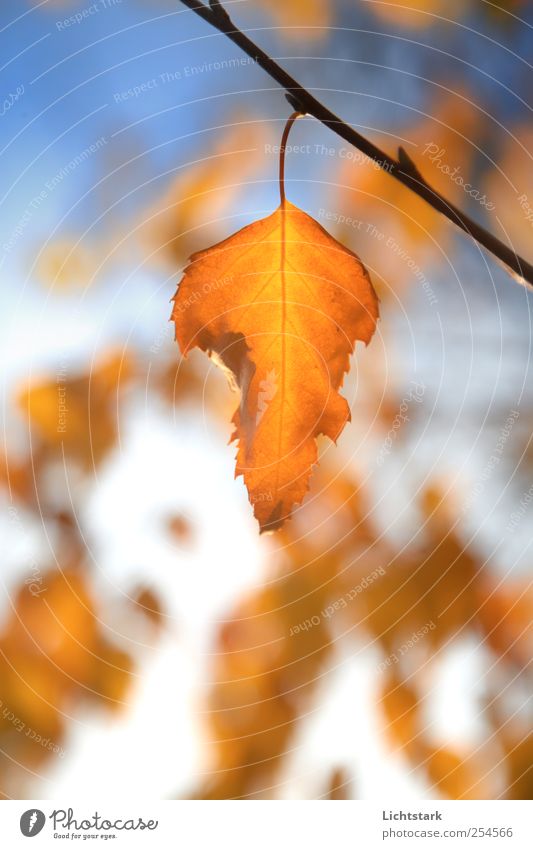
(281, 305)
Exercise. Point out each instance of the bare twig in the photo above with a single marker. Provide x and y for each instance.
(402, 169)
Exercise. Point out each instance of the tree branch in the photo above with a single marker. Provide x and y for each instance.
(403, 169)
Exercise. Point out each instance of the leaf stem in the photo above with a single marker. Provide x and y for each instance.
(402, 169)
(288, 127)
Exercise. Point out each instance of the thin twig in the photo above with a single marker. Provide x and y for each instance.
(402, 169)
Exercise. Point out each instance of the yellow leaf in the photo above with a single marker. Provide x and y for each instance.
(300, 20)
(419, 14)
(63, 265)
(173, 227)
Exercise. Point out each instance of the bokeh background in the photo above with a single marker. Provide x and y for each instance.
(151, 642)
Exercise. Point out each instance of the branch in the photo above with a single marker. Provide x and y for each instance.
(403, 169)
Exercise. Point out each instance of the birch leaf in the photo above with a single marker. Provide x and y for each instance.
(280, 304)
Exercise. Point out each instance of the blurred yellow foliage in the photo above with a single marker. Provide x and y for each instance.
(52, 656)
(418, 14)
(300, 20)
(265, 671)
(511, 185)
(78, 415)
(398, 225)
(64, 265)
(175, 226)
